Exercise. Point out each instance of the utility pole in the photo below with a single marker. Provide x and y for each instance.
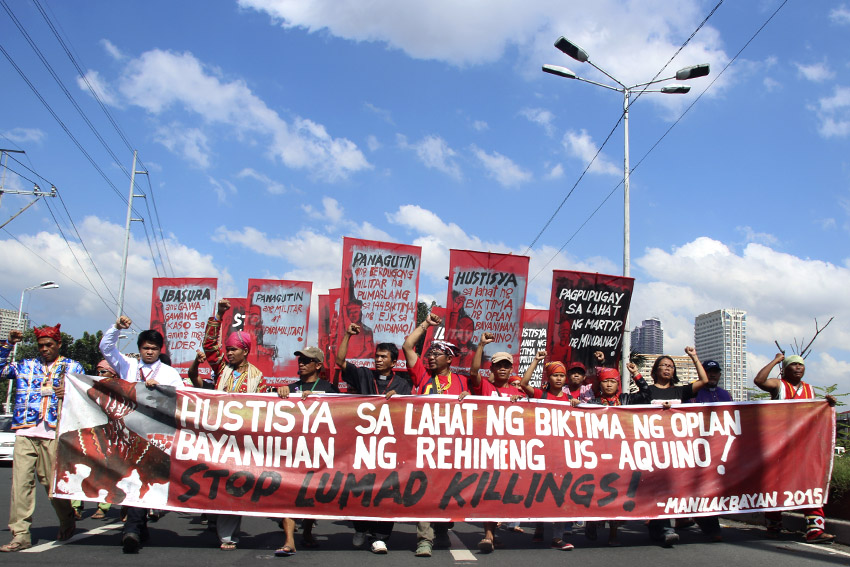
(127, 232)
(36, 192)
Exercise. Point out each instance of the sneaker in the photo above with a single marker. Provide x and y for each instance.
(423, 548)
(379, 547)
(359, 540)
(131, 543)
(441, 539)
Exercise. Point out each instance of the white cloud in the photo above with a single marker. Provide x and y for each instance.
(434, 152)
(758, 237)
(74, 304)
(781, 293)
(480, 126)
(632, 40)
(25, 135)
(99, 86)
(541, 117)
(502, 168)
(372, 143)
(158, 81)
(382, 113)
(331, 211)
(112, 50)
(771, 84)
(833, 113)
(191, 143)
(272, 186)
(817, 72)
(556, 172)
(581, 145)
(222, 189)
(840, 15)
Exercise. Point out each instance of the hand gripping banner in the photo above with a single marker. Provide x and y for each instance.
(435, 458)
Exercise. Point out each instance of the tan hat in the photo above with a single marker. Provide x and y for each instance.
(500, 356)
(311, 352)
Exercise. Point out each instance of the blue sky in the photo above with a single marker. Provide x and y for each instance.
(271, 129)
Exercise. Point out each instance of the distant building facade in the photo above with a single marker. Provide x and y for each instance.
(722, 336)
(648, 337)
(9, 321)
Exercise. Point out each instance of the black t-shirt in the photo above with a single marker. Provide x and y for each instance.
(320, 385)
(681, 393)
(368, 381)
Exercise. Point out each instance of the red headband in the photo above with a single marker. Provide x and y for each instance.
(48, 332)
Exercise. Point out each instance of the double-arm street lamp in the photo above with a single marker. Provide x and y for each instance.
(42, 285)
(580, 55)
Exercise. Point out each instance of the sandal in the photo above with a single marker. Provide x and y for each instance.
(228, 546)
(99, 515)
(485, 546)
(284, 551)
(15, 546)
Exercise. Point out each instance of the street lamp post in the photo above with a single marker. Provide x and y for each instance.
(580, 55)
(42, 285)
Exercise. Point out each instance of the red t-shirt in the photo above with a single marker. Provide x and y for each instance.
(487, 388)
(425, 385)
(564, 397)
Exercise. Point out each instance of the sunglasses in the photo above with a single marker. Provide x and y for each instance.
(306, 360)
(105, 373)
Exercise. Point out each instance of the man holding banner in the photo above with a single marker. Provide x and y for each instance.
(150, 370)
(39, 389)
(381, 381)
(790, 386)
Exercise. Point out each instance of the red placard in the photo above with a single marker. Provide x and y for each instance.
(179, 310)
(380, 284)
(587, 312)
(486, 293)
(278, 314)
(234, 318)
(435, 458)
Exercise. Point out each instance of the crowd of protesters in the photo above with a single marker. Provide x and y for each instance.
(40, 384)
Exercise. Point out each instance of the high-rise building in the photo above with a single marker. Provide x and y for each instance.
(648, 337)
(9, 321)
(722, 336)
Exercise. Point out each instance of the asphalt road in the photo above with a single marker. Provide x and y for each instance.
(180, 539)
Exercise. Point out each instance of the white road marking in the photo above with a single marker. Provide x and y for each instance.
(825, 548)
(459, 552)
(76, 537)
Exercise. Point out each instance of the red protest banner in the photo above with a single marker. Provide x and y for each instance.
(278, 313)
(435, 458)
(486, 293)
(179, 310)
(587, 312)
(380, 284)
(534, 323)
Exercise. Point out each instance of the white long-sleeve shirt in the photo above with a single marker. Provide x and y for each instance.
(133, 370)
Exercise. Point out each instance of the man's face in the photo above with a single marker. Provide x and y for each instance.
(149, 352)
(48, 349)
(235, 355)
(713, 378)
(576, 377)
(794, 371)
(437, 361)
(383, 361)
(307, 366)
(609, 386)
(501, 370)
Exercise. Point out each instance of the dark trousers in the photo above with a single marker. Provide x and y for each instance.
(382, 530)
(136, 522)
